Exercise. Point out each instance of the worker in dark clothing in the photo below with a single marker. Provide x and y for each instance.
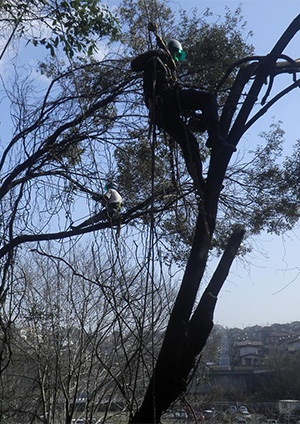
(112, 205)
(167, 101)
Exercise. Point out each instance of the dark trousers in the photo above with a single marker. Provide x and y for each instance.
(171, 104)
(180, 100)
(112, 211)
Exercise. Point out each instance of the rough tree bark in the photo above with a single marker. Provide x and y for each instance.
(187, 332)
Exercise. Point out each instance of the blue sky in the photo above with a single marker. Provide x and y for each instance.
(265, 287)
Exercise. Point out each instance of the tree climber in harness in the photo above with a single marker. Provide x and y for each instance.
(112, 205)
(167, 101)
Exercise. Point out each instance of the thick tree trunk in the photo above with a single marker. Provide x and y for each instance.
(178, 354)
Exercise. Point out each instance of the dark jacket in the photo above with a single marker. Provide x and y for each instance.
(159, 72)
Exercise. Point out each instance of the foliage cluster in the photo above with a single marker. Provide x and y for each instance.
(76, 25)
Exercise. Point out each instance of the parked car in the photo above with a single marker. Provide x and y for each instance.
(246, 415)
(208, 413)
(240, 420)
(181, 414)
(199, 415)
(231, 410)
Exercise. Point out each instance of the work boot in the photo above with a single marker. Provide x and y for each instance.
(197, 123)
(219, 143)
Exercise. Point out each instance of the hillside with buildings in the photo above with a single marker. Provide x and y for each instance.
(250, 347)
(254, 362)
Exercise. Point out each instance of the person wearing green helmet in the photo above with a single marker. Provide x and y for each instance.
(112, 205)
(168, 102)
(175, 48)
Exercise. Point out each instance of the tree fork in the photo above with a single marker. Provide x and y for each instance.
(169, 379)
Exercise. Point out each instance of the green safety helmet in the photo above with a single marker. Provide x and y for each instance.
(176, 50)
(109, 185)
